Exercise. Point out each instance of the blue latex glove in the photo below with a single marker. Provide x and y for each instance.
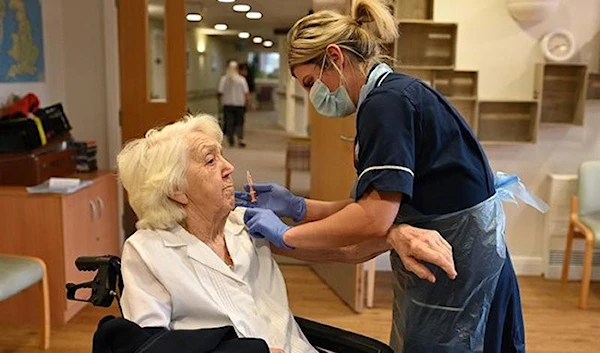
(263, 223)
(276, 198)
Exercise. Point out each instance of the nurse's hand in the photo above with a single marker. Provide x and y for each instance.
(276, 350)
(416, 245)
(276, 198)
(263, 223)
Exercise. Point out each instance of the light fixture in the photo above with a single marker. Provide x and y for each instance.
(193, 17)
(268, 43)
(244, 35)
(241, 8)
(253, 15)
(257, 40)
(220, 26)
(226, 0)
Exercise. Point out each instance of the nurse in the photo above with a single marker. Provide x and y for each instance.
(418, 163)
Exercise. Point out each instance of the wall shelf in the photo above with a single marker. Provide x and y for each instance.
(413, 9)
(456, 84)
(468, 108)
(508, 122)
(426, 45)
(561, 91)
(593, 88)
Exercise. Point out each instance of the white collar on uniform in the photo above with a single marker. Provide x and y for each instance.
(375, 78)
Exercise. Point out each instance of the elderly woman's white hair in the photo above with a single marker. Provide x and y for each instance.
(153, 167)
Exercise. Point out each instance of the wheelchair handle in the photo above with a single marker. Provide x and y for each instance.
(92, 263)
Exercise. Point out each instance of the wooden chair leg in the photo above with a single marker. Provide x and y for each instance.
(568, 250)
(45, 311)
(288, 178)
(371, 282)
(587, 274)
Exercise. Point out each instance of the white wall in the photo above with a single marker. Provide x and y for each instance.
(504, 53)
(74, 68)
(85, 68)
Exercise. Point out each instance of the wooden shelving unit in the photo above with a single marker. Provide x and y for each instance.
(424, 75)
(468, 108)
(426, 45)
(593, 88)
(456, 84)
(561, 91)
(508, 122)
(413, 9)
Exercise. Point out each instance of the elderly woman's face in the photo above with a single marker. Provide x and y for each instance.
(209, 174)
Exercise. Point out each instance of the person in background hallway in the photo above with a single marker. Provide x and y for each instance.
(247, 71)
(417, 163)
(234, 94)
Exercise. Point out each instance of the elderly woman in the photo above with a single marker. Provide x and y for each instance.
(192, 264)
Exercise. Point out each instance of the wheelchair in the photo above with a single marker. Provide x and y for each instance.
(107, 285)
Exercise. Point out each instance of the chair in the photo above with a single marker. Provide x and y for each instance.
(21, 272)
(297, 157)
(584, 223)
(108, 281)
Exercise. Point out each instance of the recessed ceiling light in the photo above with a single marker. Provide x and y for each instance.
(257, 40)
(226, 0)
(241, 8)
(244, 35)
(193, 17)
(253, 15)
(268, 43)
(220, 26)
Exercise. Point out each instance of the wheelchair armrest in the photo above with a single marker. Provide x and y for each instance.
(332, 339)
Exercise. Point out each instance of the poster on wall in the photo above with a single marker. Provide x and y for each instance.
(21, 41)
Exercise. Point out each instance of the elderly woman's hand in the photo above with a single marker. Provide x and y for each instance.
(414, 245)
(263, 223)
(276, 198)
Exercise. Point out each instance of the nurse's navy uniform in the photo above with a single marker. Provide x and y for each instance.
(410, 140)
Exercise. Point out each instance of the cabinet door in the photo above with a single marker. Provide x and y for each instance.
(105, 239)
(332, 176)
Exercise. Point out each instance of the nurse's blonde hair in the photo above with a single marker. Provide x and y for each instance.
(153, 167)
(362, 33)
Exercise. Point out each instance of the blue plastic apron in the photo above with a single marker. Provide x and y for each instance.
(451, 315)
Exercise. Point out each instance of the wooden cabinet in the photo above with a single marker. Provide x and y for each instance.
(58, 229)
(561, 91)
(593, 89)
(426, 45)
(332, 176)
(508, 122)
(413, 9)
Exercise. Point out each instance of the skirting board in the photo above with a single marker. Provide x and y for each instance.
(524, 266)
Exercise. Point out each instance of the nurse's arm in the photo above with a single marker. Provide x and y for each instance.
(317, 210)
(369, 218)
(352, 254)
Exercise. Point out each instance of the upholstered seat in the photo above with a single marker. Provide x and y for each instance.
(584, 223)
(17, 274)
(21, 272)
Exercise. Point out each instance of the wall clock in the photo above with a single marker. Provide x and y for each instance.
(558, 45)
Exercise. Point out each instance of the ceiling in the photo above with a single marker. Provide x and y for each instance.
(280, 14)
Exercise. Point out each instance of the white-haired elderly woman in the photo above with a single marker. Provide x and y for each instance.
(191, 264)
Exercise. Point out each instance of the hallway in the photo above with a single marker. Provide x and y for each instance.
(264, 155)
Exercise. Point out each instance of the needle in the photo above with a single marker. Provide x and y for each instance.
(251, 187)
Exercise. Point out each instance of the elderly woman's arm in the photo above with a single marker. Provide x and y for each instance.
(145, 301)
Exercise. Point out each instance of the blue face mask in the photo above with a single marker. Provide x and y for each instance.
(337, 104)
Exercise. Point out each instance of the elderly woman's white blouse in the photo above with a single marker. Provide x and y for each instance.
(174, 280)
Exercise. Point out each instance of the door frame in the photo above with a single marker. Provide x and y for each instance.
(113, 94)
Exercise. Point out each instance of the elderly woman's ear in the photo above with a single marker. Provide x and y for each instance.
(179, 197)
